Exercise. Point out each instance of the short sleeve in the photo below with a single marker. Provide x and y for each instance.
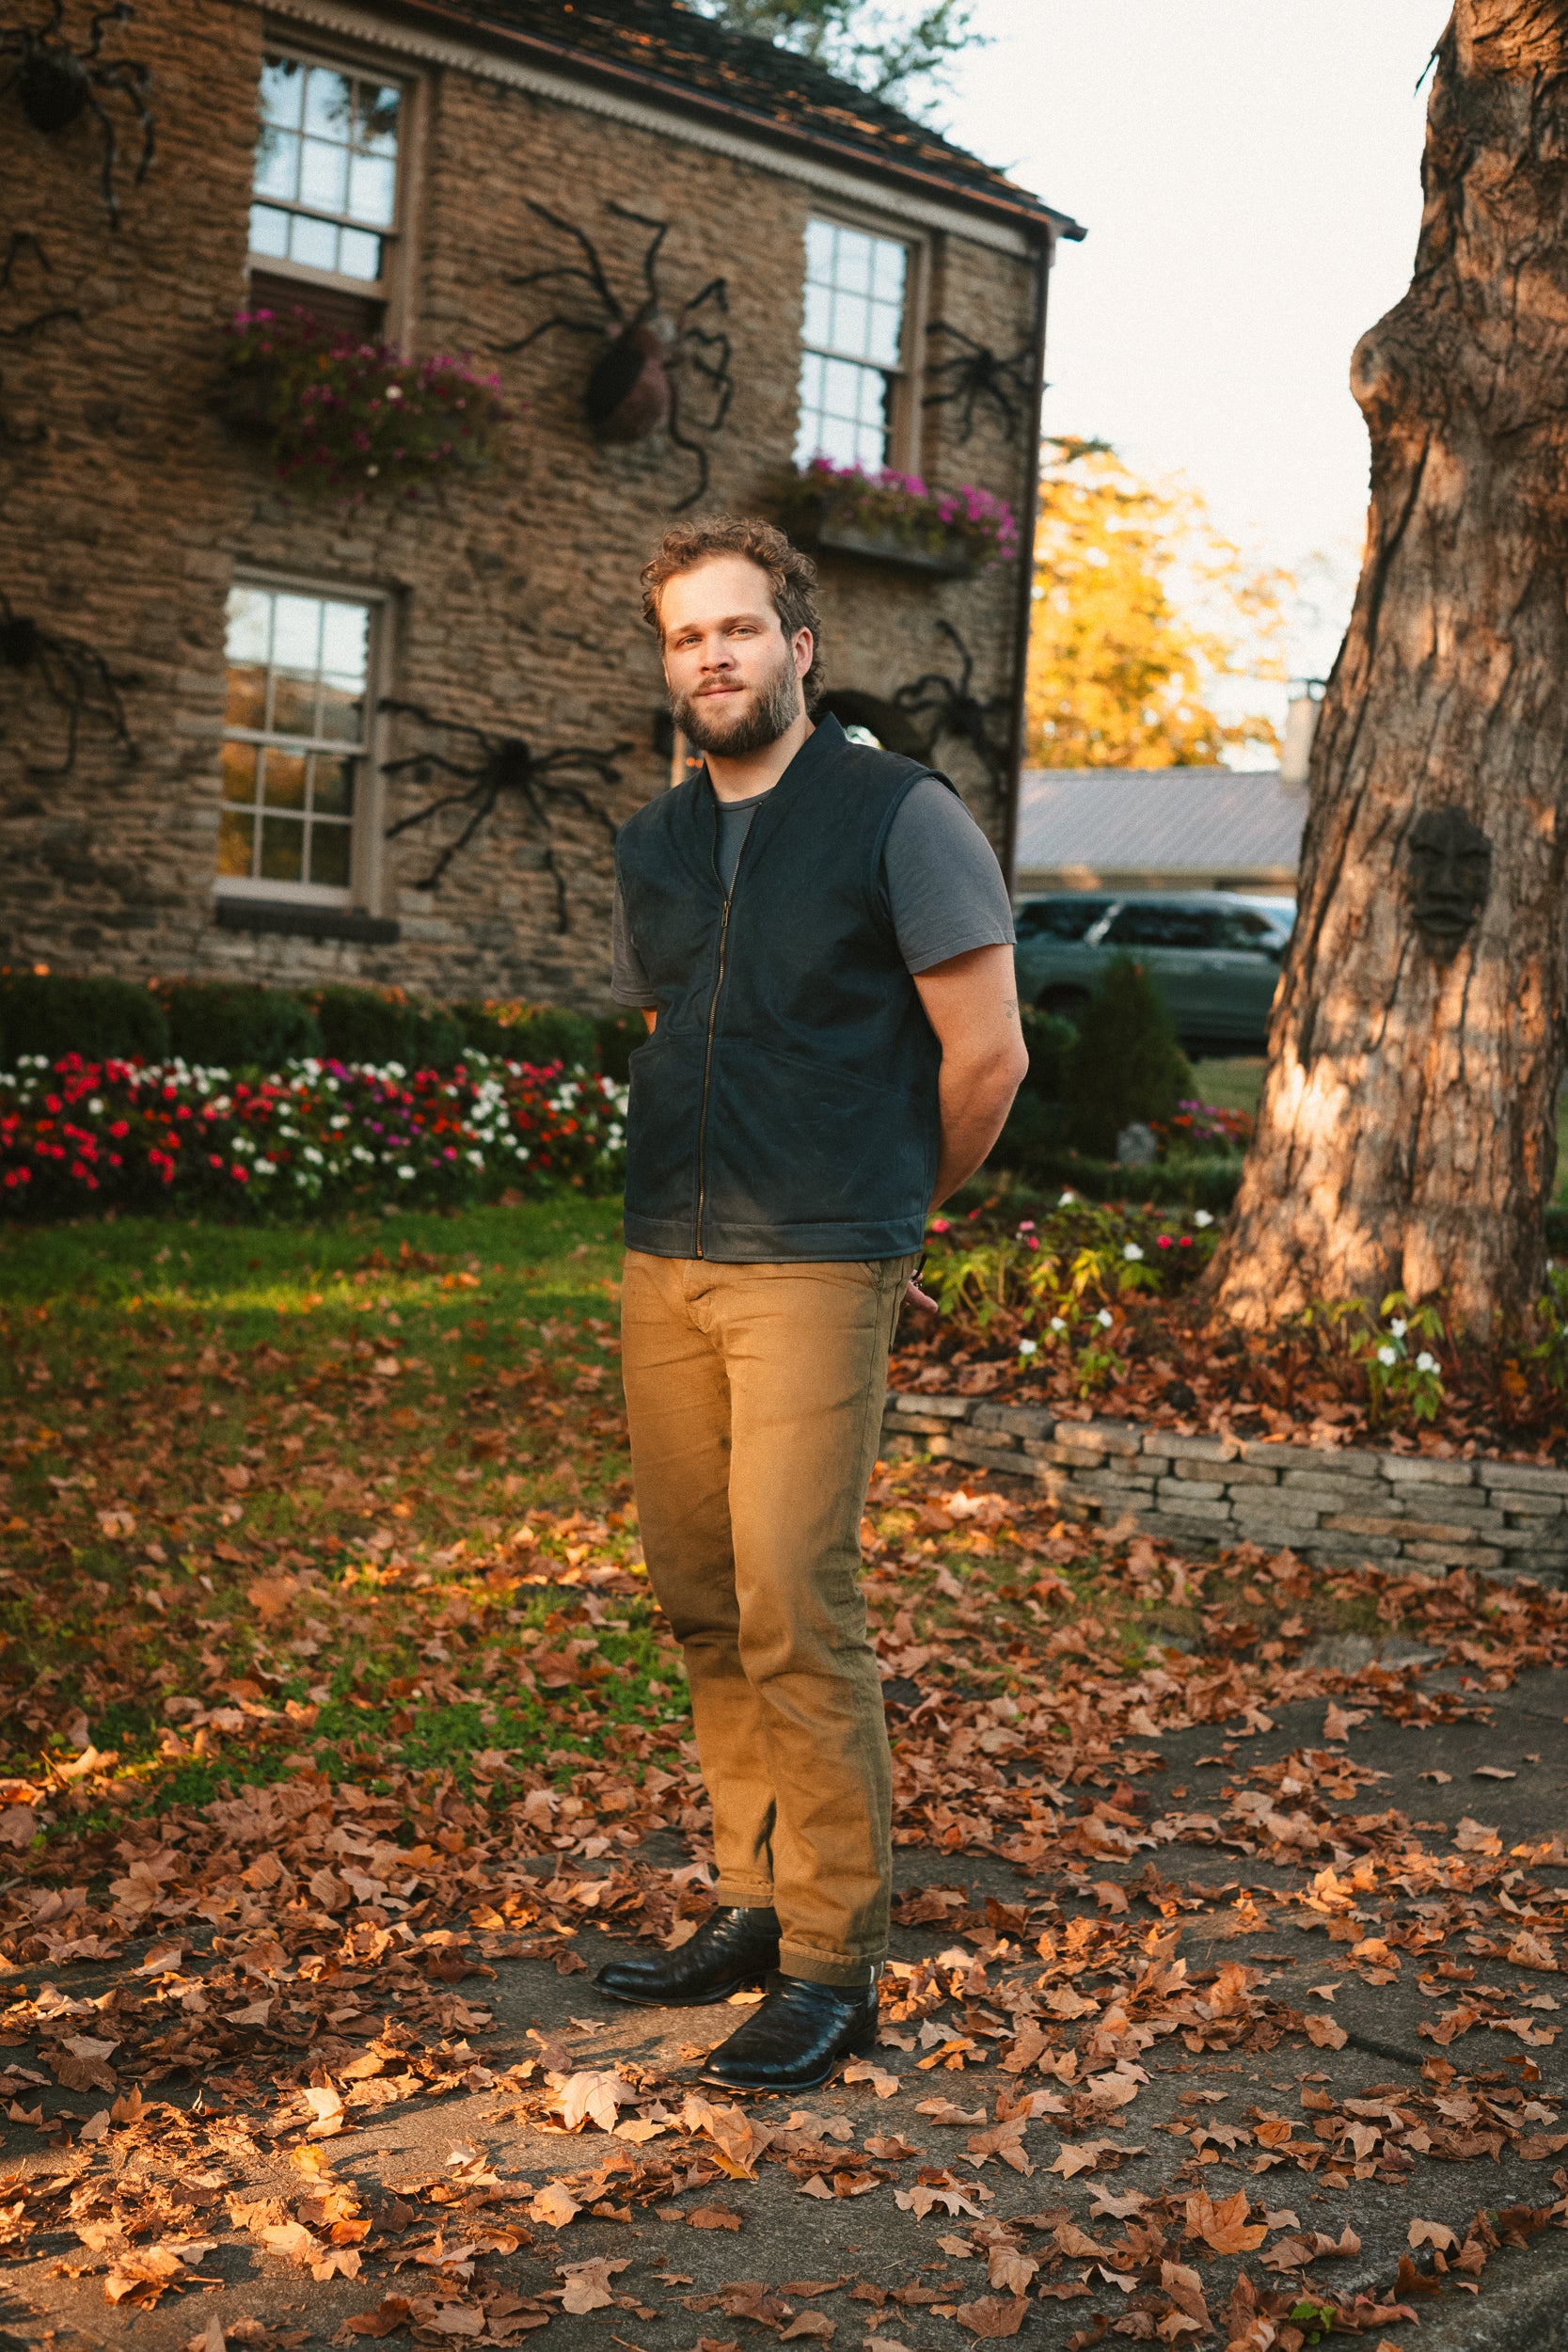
(944, 886)
(628, 984)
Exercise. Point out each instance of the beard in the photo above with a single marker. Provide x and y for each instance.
(774, 707)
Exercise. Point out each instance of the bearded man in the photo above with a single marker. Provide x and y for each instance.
(820, 941)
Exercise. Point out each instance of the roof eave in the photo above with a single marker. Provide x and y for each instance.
(1031, 212)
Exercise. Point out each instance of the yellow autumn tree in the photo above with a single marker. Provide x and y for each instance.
(1143, 608)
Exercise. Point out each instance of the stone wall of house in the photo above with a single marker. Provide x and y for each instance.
(1342, 1505)
(130, 505)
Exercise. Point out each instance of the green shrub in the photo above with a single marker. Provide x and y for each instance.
(619, 1033)
(536, 1034)
(382, 1025)
(45, 1012)
(1049, 1041)
(225, 1024)
(1126, 1063)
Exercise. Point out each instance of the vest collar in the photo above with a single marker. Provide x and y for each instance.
(824, 744)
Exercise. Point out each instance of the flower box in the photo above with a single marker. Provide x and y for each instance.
(894, 519)
(346, 419)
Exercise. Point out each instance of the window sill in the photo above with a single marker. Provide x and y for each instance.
(300, 921)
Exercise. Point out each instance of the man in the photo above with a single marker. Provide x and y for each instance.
(820, 941)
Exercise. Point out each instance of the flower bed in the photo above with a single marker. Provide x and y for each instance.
(344, 417)
(893, 518)
(83, 1137)
(1092, 1308)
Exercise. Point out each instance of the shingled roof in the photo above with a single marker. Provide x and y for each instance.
(662, 48)
(1163, 824)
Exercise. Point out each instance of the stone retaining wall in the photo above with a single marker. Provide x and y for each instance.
(1343, 1504)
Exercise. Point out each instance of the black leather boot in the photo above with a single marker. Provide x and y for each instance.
(732, 1950)
(797, 2036)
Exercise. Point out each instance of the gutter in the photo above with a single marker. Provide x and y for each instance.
(1028, 520)
(1033, 214)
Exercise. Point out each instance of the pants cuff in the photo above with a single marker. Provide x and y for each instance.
(746, 1896)
(848, 1973)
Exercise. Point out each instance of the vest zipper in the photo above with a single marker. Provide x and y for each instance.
(707, 1052)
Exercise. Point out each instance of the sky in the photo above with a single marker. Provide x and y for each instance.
(1249, 175)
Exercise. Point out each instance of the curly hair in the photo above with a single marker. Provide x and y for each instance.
(791, 575)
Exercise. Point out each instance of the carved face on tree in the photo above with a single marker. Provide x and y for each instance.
(1451, 871)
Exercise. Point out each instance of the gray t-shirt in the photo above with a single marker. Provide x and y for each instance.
(944, 884)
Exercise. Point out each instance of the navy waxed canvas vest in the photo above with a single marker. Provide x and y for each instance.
(785, 1106)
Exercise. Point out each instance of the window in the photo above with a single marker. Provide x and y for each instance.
(854, 345)
(326, 186)
(1058, 918)
(295, 733)
(1162, 926)
(1245, 929)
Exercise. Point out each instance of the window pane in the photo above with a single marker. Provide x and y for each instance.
(332, 786)
(329, 856)
(283, 778)
(249, 634)
(852, 262)
(234, 842)
(313, 243)
(276, 163)
(327, 102)
(323, 176)
(345, 641)
(890, 262)
(819, 313)
(239, 771)
(820, 235)
(293, 704)
(282, 849)
(342, 713)
(376, 113)
(269, 231)
(883, 326)
(851, 323)
(359, 255)
(371, 189)
(282, 90)
(297, 632)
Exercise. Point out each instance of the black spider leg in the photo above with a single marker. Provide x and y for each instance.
(131, 81)
(484, 789)
(602, 762)
(78, 680)
(592, 275)
(693, 448)
(650, 258)
(120, 13)
(946, 629)
(22, 241)
(716, 374)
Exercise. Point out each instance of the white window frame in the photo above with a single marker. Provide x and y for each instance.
(367, 864)
(395, 288)
(904, 430)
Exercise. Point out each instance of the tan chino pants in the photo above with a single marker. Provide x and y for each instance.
(755, 1399)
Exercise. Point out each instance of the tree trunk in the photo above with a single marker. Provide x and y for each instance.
(1407, 1136)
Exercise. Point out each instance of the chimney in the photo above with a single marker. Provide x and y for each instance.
(1301, 725)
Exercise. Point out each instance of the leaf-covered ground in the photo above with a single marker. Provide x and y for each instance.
(340, 1729)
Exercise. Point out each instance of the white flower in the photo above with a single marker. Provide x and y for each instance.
(1105, 1317)
(406, 1173)
(1201, 1216)
(1398, 1327)
(1387, 1356)
(310, 1153)
(97, 1104)
(1067, 1199)
(1057, 1324)
(1426, 1361)
(1133, 1251)
(476, 1159)
(395, 391)
(1028, 1347)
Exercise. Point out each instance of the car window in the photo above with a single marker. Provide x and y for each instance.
(1162, 926)
(1245, 929)
(1058, 918)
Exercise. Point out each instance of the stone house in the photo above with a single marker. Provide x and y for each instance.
(200, 770)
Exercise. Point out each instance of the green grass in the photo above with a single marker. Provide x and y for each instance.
(1232, 1086)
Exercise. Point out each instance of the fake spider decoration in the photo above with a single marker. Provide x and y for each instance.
(979, 374)
(634, 385)
(24, 242)
(953, 709)
(72, 675)
(57, 85)
(505, 763)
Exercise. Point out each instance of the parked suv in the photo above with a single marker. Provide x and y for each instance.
(1213, 954)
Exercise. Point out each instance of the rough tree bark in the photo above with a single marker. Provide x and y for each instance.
(1407, 1135)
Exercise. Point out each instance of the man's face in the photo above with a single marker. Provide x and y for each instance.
(734, 677)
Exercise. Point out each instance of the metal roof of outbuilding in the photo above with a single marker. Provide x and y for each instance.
(1126, 820)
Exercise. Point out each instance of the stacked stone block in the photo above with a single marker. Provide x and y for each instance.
(1340, 1505)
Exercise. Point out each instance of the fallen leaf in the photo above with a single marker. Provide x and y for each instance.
(1492, 1771)
(713, 2218)
(588, 2287)
(1430, 2233)
(993, 2314)
(553, 2204)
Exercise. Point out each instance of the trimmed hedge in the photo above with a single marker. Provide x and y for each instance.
(530, 1033)
(367, 1025)
(42, 1012)
(221, 1024)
